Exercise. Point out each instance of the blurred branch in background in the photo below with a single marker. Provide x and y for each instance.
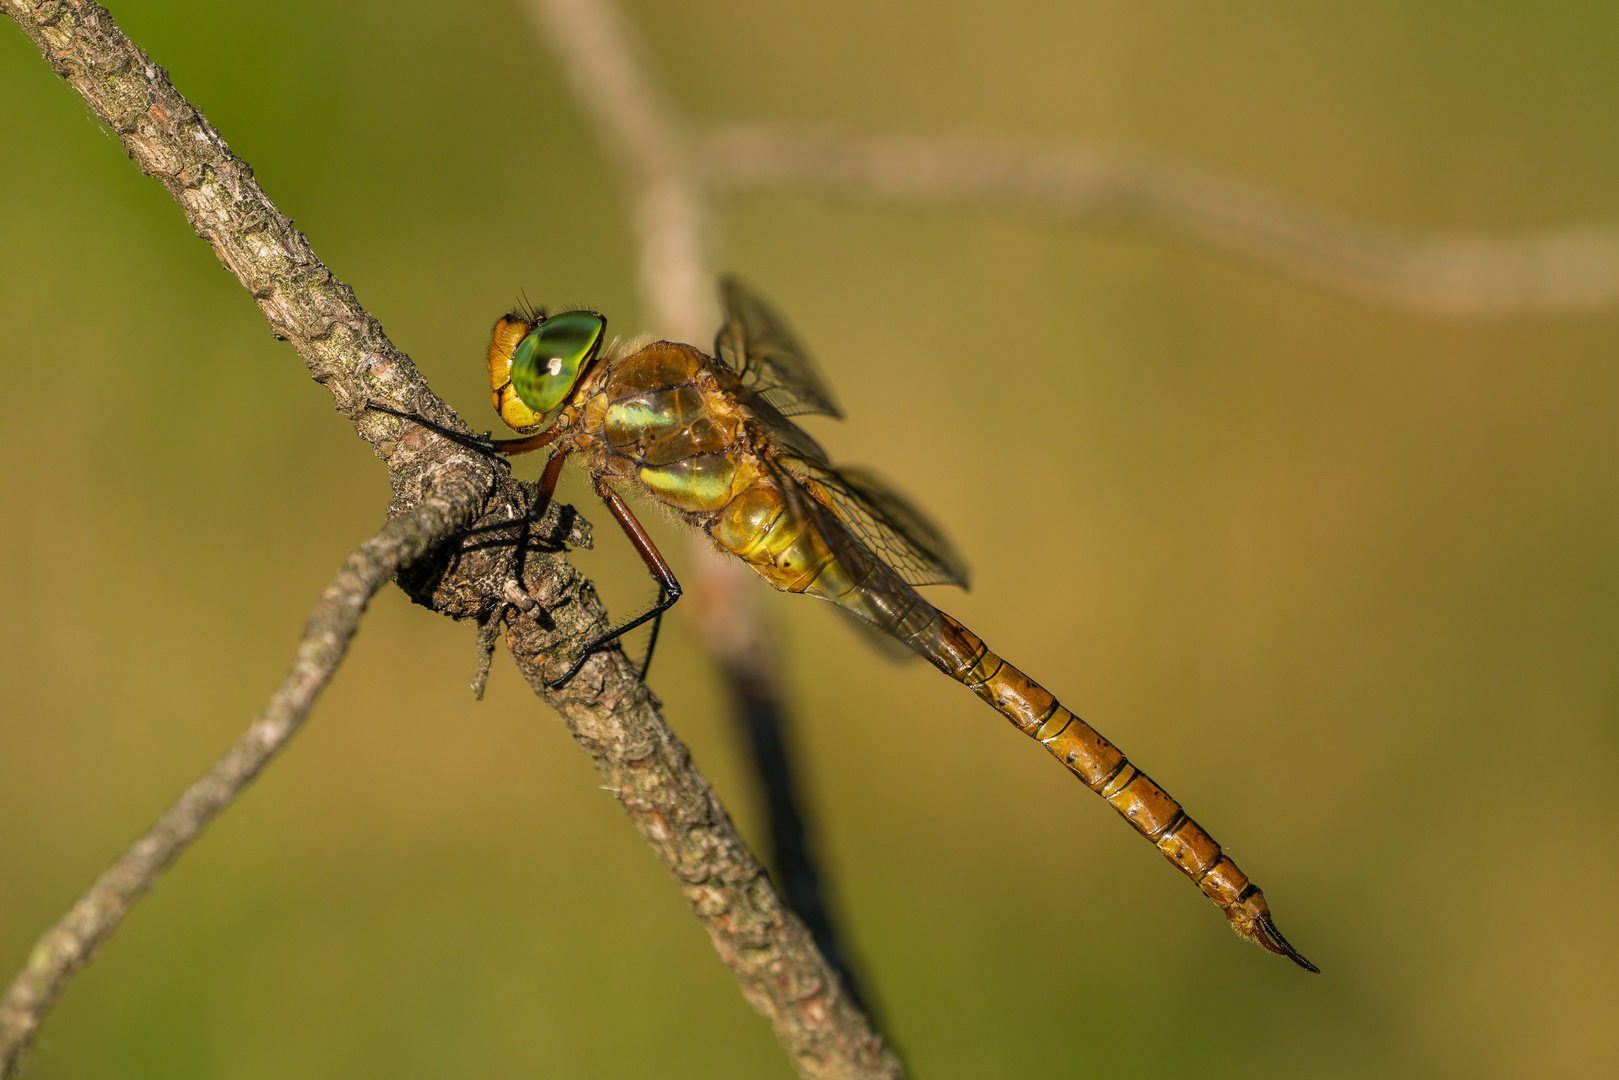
(610, 77)
(1455, 274)
(607, 708)
(604, 69)
(1452, 274)
(66, 947)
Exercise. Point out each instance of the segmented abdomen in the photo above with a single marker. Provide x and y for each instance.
(1103, 768)
(859, 583)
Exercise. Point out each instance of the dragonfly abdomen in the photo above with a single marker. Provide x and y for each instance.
(875, 594)
(771, 533)
(871, 591)
(1100, 765)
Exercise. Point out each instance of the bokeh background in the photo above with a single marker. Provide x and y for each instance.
(1344, 578)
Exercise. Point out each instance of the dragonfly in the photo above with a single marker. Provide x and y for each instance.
(709, 439)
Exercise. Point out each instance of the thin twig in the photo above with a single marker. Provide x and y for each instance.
(607, 708)
(66, 947)
(1452, 274)
(607, 71)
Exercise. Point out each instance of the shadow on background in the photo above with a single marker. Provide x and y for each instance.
(1343, 579)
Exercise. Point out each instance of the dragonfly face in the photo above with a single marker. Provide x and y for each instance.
(535, 363)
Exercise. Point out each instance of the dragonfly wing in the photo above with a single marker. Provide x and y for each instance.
(757, 345)
(885, 522)
(787, 436)
(890, 648)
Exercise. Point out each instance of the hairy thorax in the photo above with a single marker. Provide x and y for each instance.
(678, 423)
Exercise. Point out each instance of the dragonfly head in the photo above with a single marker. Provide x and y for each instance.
(535, 361)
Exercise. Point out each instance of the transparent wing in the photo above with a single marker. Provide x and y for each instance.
(769, 361)
(756, 344)
(787, 436)
(884, 645)
(884, 521)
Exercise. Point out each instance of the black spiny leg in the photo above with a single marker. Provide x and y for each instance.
(483, 444)
(500, 450)
(657, 622)
(668, 587)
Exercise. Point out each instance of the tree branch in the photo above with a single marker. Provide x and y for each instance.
(608, 710)
(1454, 274)
(66, 947)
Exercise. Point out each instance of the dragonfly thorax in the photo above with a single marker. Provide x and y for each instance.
(662, 415)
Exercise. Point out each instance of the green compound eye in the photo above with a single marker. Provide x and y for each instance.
(546, 363)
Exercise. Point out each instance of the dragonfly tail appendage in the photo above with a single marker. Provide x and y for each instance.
(963, 656)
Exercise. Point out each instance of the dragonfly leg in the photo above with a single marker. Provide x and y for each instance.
(542, 501)
(484, 445)
(669, 589)
(549, 478)
(657, 624)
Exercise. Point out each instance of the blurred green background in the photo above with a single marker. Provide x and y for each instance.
(1343, 578)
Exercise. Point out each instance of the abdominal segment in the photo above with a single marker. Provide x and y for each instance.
(772, 533)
